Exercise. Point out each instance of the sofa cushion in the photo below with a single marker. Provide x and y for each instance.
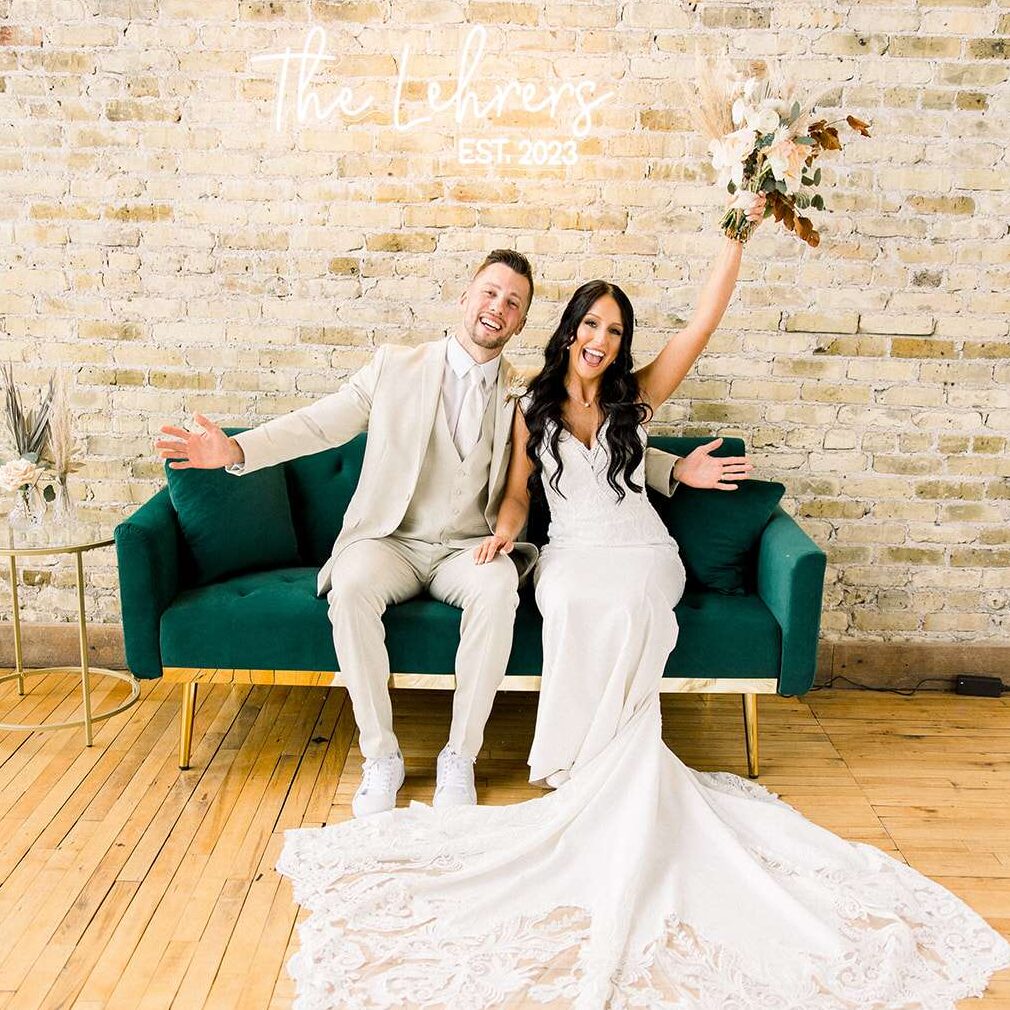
(321, 487)
(233, 524)
(717, 530)
(725, 636)
(720, 636)
(273, 620)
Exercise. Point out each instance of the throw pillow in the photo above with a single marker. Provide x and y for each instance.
(234, 524)
(716, 530)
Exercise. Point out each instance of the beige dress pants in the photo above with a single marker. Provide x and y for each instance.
(371, 574)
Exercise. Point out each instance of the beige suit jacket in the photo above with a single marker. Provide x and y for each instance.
(394, 398)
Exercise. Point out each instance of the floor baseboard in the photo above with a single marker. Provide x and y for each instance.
(903, 665)
(59, 645)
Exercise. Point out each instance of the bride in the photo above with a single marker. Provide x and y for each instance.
(637, 882)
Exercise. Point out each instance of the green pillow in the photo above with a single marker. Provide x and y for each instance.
(716, 530)
(234, 524)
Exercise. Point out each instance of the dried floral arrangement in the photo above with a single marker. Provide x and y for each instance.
(764, 138)
(29, 430)
(62, 448)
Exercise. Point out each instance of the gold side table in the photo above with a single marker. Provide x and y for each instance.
(49, 541)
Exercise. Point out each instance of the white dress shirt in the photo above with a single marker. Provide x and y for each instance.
(456, 380)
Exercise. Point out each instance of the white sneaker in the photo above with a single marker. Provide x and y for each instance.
(454, 780)
(381, 779)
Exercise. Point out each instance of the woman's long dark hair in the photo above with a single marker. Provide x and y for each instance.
(619, 395)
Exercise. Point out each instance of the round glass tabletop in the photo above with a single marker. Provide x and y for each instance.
(56, 538)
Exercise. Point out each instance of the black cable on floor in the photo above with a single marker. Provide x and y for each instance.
(905, 692)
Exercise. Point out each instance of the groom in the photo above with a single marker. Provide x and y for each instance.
(439, 424)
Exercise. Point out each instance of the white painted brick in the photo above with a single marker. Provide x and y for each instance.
(281, 259)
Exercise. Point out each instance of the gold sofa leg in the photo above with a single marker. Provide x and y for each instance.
(750, 730)
(186, 724)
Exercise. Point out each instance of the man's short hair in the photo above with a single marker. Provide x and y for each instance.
(514, 261)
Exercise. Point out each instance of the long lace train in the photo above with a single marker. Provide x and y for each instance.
(639, 883)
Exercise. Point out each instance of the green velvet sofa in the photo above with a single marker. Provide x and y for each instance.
(269, 626)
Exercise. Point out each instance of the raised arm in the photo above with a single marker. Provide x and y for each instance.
(658, 379)
(329, 422)
(515, 504)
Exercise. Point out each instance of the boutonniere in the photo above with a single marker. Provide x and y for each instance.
(516, 388)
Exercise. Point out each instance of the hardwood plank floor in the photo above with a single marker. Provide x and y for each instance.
(126, 883)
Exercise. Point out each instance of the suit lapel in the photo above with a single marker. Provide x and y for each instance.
(502, 424)
(429, 390)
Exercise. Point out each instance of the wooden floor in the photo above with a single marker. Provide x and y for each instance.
(125, 882)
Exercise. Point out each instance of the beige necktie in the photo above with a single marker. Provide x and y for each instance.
(471, 413)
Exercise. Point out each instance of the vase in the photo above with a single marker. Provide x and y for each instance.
(29, 509)
(63, 507)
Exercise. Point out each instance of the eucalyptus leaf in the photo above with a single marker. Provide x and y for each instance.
(817, 177)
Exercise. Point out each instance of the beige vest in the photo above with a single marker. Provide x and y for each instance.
(451, 494)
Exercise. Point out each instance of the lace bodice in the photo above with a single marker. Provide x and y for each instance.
(586, 511)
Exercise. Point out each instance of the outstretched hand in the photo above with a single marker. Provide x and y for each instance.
(203, 450)
(699, 468)
(490, 547)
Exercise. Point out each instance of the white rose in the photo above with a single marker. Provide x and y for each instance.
(762, 119)
(19, 472)
(729, 154)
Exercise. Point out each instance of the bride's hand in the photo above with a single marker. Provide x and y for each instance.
(493, 545)
(752, 204)
(701, 469)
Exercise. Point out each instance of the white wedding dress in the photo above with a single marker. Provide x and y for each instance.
(638, 882)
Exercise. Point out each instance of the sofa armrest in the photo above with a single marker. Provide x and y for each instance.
(790, 580)
(148, 545)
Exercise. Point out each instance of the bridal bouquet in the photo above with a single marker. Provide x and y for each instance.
(764, 139)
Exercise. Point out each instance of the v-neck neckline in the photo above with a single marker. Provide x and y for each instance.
(589, 450)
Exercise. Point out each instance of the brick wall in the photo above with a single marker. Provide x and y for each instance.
(165, 242)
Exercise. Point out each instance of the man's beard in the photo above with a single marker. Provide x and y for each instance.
(489, 341)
